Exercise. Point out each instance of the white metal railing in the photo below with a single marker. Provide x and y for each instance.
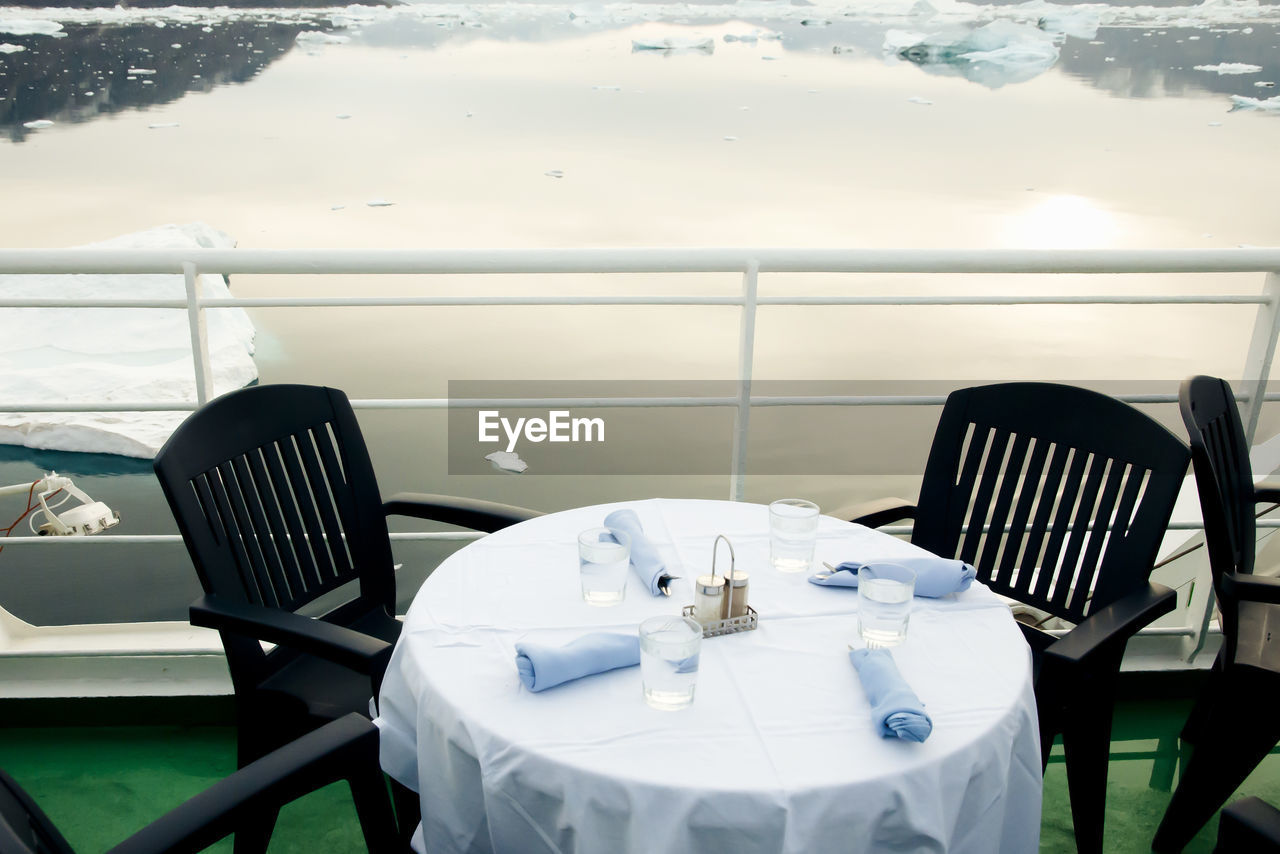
(750, 263)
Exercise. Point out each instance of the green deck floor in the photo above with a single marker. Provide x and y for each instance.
(99, 784)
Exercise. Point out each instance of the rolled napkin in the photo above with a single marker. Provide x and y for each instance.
(935, 576)
(895, 708)
(542, 666)
(645, 559)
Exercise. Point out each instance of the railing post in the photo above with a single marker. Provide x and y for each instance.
(1262, 349)
(199, 334)
(746, 361)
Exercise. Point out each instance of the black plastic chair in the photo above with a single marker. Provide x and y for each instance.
(275, 496)
(1231, 727)
(1249, 826)
(1059, 497)
(346, 749)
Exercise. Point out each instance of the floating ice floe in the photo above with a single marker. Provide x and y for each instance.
(916, 99)
(37, 124)
(10, 48)
(673, 43)
(141, 72)
(1230, 68)
(994, 54)
(161, 125)
(1077, 21)
(507, 461)
(29, 27)
(137, 355)
(317, 37)
(379, 203)
(554, 173)
(1265, 84)
(1270, 105)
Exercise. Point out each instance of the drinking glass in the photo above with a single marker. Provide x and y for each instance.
(669, 649)
(885, 591)
(793, 531)
(603, 560)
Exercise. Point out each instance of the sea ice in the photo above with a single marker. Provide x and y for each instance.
(1076, 21)
(37, 124)
(10, 48)
(916, 99)
(706, 45)
(994, 54)
(1240, 102)
(317, 37)
(160, 125)
(63, 355)
(141, 71)
(1230, 68)
(507, 461)
(379, 203)
(28, 27)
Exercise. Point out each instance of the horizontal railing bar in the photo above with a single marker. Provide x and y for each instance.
(585, 300)
(649, 260)
(146, 539)
(1068, 299)
(545, 402)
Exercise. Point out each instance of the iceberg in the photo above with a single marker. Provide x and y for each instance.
(994, 54)
(1231, 68)
(1240, 102)
(67, 355)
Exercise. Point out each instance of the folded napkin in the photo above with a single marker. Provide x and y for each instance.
(542, 666)
(935, 576)
(895, 708)
(645, 559)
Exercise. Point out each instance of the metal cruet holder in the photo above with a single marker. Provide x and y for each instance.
(744, 623)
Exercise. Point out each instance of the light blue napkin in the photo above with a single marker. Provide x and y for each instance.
(935, 576)
(542, 666)
(895, 708)
(645, 559)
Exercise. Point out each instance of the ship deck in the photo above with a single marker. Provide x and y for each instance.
(100, 783)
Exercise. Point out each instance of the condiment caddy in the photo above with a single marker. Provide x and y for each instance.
(720, 601)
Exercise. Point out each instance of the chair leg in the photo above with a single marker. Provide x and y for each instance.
(254, 834)
(377, 819)
(408, 810)
(1227, 753)
(1086, 743)
(1198, 718)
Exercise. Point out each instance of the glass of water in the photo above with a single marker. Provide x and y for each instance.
(793, 531)
(885, 591)
(669, 648)
(603, 560)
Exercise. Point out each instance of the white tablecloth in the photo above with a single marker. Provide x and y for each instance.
(777, 752)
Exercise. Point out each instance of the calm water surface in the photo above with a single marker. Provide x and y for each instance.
(543, 127)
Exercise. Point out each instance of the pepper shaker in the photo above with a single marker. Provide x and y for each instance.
(735, 599)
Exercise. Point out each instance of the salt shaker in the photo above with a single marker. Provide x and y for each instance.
(735, 599)
(708, 599)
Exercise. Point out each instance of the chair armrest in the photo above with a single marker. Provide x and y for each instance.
(1113, 625)
(355, 650)
(877, 512)
(343, 749)
(1250, 824)
(1251, 588)
(1268, 490)
(473, 513)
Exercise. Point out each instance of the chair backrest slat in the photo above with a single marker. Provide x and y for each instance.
(1023, 537)
(318, 478)
(301, 564)
(266, 539)
(1049, 480)
(996, 544)
(321, 567)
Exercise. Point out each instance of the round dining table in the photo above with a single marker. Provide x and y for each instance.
(777, 753)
